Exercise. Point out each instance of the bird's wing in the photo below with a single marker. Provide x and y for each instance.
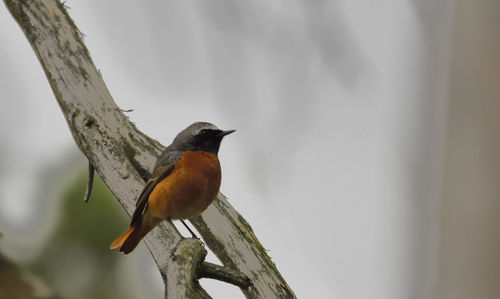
(163, 168)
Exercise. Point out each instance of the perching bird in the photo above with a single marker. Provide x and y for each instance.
(185, 180)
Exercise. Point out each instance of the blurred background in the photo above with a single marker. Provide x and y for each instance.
(366, 158)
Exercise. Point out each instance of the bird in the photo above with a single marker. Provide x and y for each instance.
(185, 181)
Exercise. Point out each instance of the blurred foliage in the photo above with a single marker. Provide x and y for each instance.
(18, 283)
(77, 262)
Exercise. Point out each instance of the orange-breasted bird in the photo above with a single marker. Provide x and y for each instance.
(185, 181)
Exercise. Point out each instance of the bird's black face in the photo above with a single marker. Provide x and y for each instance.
(209, 140)
(201, 137)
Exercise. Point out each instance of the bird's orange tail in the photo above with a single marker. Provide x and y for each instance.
(119, 241)
(129, 240)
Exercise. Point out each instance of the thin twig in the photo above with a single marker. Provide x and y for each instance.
(90, 183)
(209, 270)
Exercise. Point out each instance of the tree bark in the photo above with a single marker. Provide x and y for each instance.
(123, 157)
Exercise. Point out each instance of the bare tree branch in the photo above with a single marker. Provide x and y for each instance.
(209, 270)
(123, 157)
(181, 282)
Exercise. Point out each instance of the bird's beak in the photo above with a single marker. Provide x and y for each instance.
(224, 133)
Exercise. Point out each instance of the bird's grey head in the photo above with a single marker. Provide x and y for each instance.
(200, 136)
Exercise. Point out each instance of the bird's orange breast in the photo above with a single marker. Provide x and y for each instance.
(190, 188)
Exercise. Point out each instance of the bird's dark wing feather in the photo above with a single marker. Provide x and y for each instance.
(163, 168)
